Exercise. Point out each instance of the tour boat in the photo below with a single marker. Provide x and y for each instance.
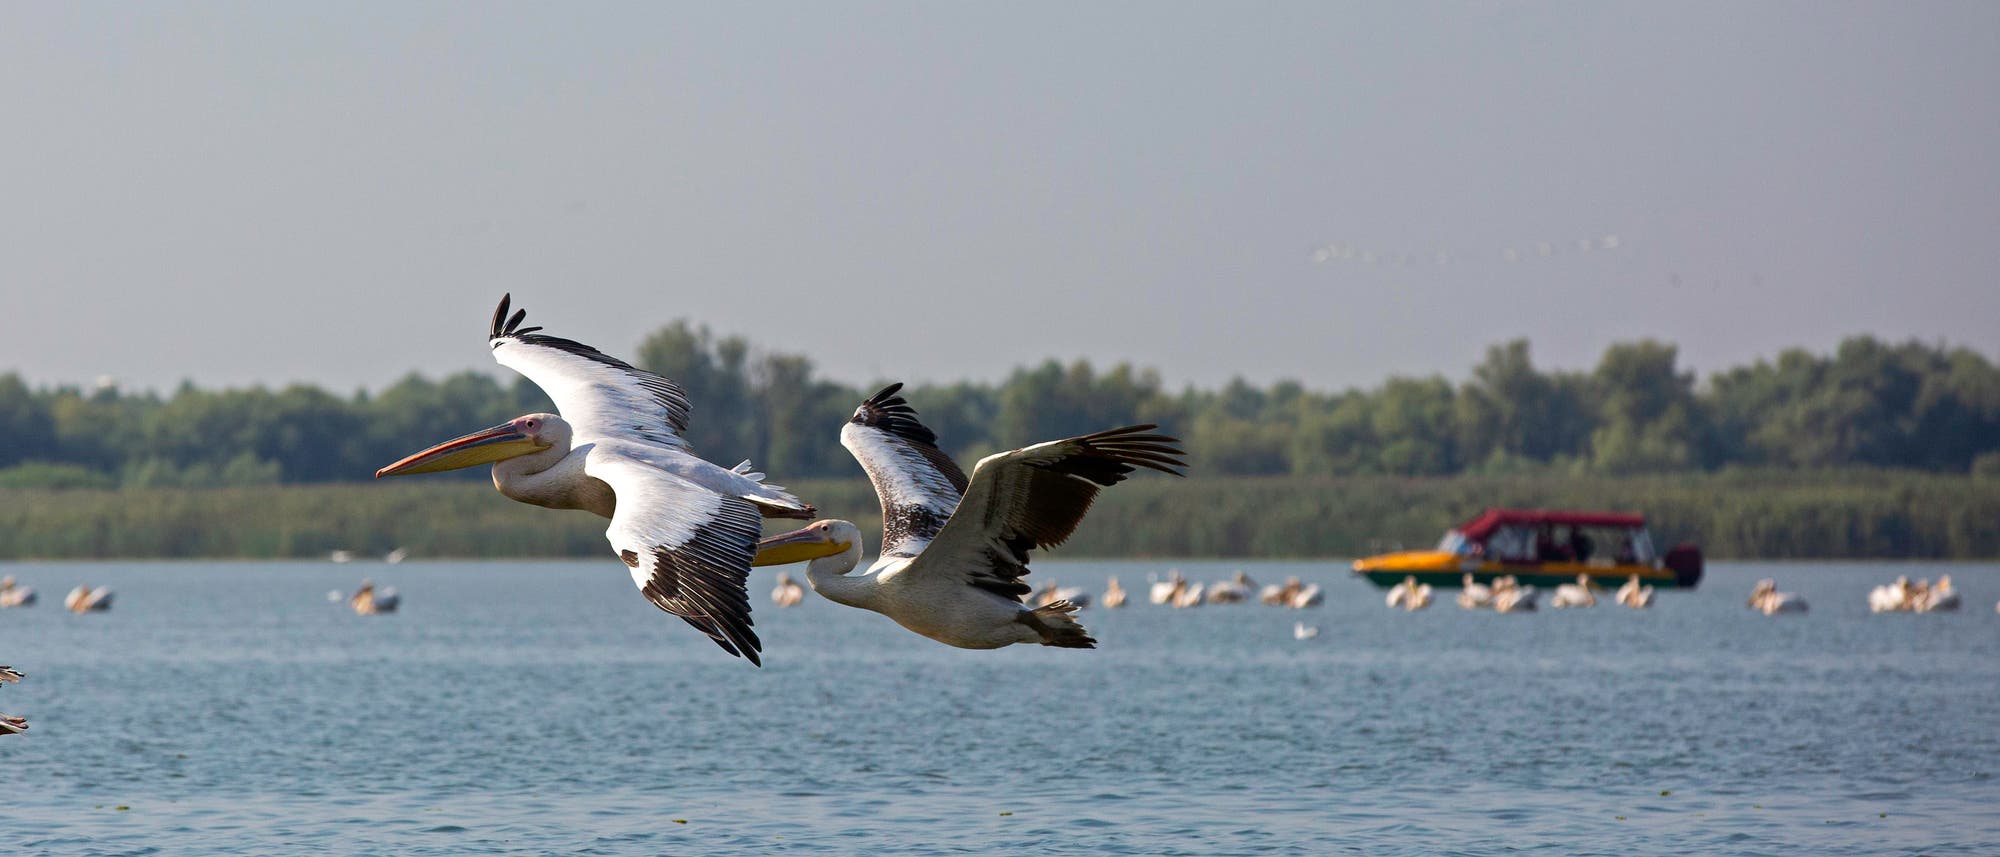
(1541, 548)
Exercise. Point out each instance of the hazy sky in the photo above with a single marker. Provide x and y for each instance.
(339, 193)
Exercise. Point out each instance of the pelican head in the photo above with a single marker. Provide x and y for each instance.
(830, 537)
(511, 439)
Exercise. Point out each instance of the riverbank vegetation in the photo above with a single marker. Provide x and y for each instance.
(1870, 404)
(1731, 514)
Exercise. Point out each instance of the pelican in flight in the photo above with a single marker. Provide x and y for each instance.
(955, 550)
(686, 528)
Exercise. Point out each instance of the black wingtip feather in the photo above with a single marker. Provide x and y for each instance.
(892, 413)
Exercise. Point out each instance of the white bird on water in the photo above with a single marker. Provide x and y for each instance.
(1576, 594)
(1114, 595)
(85, 599)
(685, 527)
(15, 595)
(369, 601)
(1475, 595)
(788, 592)
(955, 550)
(1635, 596)
(1767, 599)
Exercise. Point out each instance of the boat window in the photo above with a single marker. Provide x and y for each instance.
(1454, 542)
(1642, 546)
(1511, 544)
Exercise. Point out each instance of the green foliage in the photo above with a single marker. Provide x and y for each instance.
(1869, 404)
(1853, 513)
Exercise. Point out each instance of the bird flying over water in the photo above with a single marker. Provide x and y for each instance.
(687, 528)
(954, 551)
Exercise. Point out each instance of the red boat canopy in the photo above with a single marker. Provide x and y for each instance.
(1493, 519)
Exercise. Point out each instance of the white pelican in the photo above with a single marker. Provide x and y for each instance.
(15, 595)
(1235, 590)
(1309, 596)
(1279, 594)
(1576, 594)
(1410, 595)
(341, 557)
(954, 551)
(84, 599)
(1941, 597)
(788, 592)
(369, 601)
(1634, 595)
(1188, 596)
(1114, 596)
(1475, 595)
(1509, 596)
(10, 725)
(1163, 591)
(1891, 598)
(1050, 593)
(686, 528)
(1303, 631)
(396, 556)
(1767, 599)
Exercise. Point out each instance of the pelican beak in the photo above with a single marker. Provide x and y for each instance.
(797, 546)
(486, 446)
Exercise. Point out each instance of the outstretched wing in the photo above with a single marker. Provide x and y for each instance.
(599, 395)
(689, 548)
(918, 484)
(1033, 498)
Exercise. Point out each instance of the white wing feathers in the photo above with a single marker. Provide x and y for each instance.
(917, 483)
(689, 547)
(628, 410)
(599, 395)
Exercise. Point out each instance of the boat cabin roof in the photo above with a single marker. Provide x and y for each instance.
(1493, 519)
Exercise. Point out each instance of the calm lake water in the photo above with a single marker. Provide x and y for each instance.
(545, 707)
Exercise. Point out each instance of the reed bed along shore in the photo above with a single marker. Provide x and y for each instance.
(1741, 515)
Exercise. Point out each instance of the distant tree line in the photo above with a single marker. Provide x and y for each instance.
(1869, 404)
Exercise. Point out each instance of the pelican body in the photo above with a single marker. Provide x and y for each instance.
(15, 595)
(955, 550)
(685, 527)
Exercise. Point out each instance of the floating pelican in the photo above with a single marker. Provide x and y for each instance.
(788, 592)
(1279, 594)
(686, 528)
(1303, 631)
(11, 725)
(369, 601)
(396, 556)
(1409, 594)
(1634, 595)
(15, 595)
(1767, 599)
(1895, 597)
(1509, 596)
(1235, 590)
(84, 599)
(1308, 596)
(954, 551)
(1188, 596)
(1113, 595)
(1475, 595)
(341, 557)
(1576, 594)
(1050, 593)
(1939, 598)
(1163, 591)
